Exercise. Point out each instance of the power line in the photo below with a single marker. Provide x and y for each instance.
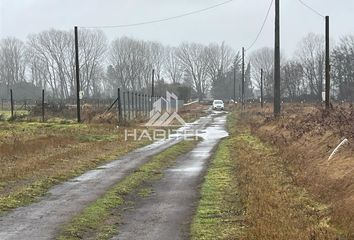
(163, 19)
(262, 27)
(311, 8)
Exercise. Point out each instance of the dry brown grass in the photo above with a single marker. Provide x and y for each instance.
(249, 193)
(35, 156)
(306, 135)
(192, 112)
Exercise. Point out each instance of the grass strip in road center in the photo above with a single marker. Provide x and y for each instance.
(100, 220)
(219, 211)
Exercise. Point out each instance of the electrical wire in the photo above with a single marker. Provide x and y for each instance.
(262, 27)
(163, 19)
(311, 8)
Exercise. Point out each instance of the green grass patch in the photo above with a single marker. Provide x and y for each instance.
(219, 211)
(145, 192)
(100, 219)
(6, 114)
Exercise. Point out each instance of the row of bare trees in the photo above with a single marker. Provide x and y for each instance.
(303, 75)
(46, 60)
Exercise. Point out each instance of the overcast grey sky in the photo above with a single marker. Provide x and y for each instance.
(237, 22)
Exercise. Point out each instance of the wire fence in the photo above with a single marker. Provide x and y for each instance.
(128, 106)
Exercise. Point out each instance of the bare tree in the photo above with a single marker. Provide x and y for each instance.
(194, 59)
(172, 66)
(157, 57)
(12, 61)
(50, 56)
(220, 60)
(311, 55)
(93, 46)
(263, 59)
(131, 63)
(292, 76)
(52, 59)
(343, 68)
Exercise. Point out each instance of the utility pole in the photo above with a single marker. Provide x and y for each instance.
(328, 76)
(152, 88)
(153, 83)
(77, 65)
(42, 105)
(277, 61)
(12, 104)
(243, 79)
(119, 106)
(234, 81)
(262, 88)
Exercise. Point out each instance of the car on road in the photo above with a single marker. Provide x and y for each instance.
(218, 105)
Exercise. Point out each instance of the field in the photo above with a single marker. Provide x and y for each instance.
(35, 156)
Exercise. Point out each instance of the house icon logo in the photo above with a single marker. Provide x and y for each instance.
(164, 112)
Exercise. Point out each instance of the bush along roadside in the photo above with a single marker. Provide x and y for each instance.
(248, 193)
(101, 219)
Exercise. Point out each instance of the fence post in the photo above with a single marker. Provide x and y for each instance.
(119, 106)
(146, 104)
(77, 75)
(12, 104)
(139, 104)
(128, 94)
(136, 105)
(42, 105)
(133, 115)
(124, 107)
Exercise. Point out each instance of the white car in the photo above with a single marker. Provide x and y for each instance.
(218, 105)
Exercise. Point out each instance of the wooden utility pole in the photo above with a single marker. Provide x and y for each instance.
(277, 61)
(133, 105)
(262, 100)
(119, 106)
(77, 66)
(153, 83)
(328, 76)
(152, 88)
(12, 104)
(42, 105)
(234, 81)
(124, 107)
(243, 79)
(128, 106)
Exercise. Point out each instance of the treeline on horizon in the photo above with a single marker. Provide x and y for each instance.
(47, 60)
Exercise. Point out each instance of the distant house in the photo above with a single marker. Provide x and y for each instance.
(21, 91)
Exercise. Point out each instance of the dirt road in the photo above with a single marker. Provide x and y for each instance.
(167, 213)
(43, 220)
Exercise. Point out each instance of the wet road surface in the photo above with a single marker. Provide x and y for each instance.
(43, 220)
(167, 213)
